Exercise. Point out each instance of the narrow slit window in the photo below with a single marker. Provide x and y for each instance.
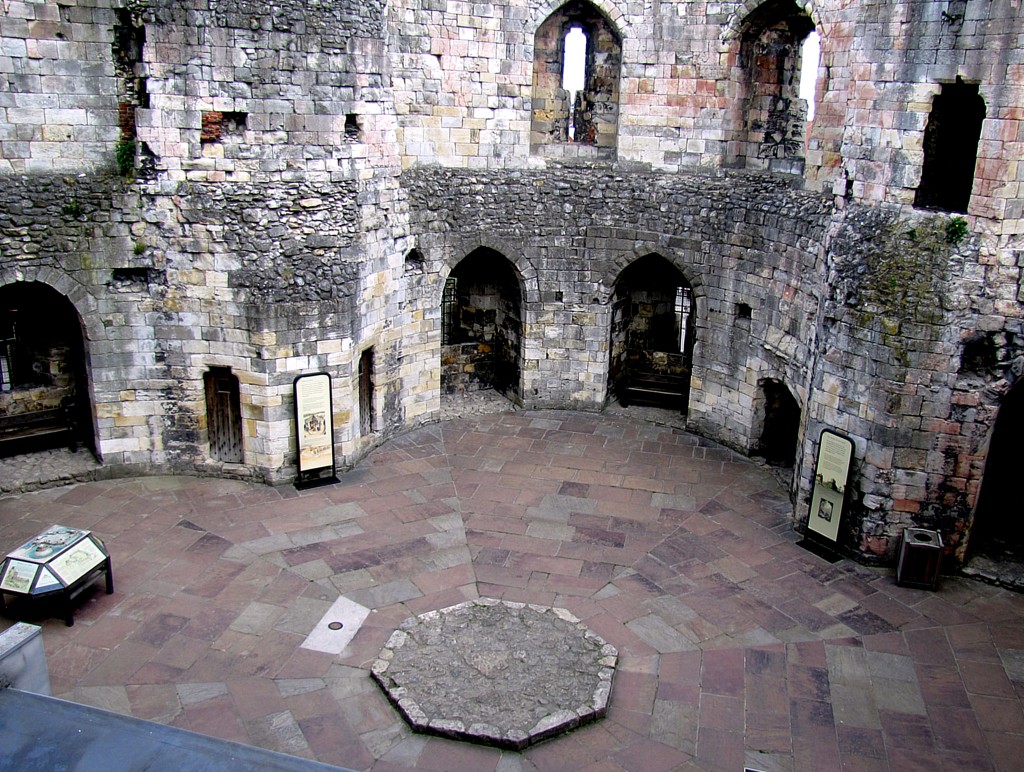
(683, 304)
(449, 310)
(352, 131)
(810, 56)
(574, 69)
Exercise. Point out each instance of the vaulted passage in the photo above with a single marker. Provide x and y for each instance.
(652, 335)
(481, 326)
(44, 386)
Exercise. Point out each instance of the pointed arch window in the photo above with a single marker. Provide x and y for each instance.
(576, 68)
(772, 130)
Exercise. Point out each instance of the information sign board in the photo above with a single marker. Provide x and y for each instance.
(831, 479)
(314, 429)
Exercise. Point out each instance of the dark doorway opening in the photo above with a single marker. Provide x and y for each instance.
(780, 427)
(951, 148)
(652, 335)
(481, 326)
(997, 530)
(43, 368)
(366, 407)
(223, 415)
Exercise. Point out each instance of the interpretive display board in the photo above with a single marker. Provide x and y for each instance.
(831, 479)
(314, 430)
(60, 562)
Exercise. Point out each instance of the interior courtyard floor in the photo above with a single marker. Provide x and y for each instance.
(736, 646)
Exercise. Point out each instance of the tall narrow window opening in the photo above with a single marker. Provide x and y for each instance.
(810, 57)
(683, 304)
(366, 406)
(951, 148)
(575, 96)
(777, 90)
(450, 311)
(574, 72)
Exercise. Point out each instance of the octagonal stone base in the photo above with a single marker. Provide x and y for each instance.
(496, 672)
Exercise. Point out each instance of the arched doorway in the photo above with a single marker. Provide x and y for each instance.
(652, 335)
(779, 416)
(45, 398)
(481, 326)
(996, 530)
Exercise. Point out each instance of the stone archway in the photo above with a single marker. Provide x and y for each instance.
(652, 335)
(44, 365)
(482, 326)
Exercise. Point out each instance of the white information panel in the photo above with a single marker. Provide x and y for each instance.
(831, 477)
(314, 429)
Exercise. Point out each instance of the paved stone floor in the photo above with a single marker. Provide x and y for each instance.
(736, 647)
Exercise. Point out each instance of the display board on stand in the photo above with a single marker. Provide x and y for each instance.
(314, 430)
(829, 495)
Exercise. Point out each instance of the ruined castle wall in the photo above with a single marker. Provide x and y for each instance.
(276, 187)
(736, 240)
(920, 337)
(897, 56)
(464, 85)
(58, 87)
(262, 150)
(73, 233)
(463, 82)
(270, 129)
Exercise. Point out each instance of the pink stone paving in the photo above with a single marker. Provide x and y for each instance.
(736, 647)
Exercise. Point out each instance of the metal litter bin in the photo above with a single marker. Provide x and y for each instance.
(920, 559)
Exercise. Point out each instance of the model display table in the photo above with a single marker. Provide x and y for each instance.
(58, 564)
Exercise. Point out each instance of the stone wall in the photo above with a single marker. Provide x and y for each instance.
(906, 298)
(467, 367)
(735, 238)
(276, 187)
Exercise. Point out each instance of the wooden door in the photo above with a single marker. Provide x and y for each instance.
(224, 415)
